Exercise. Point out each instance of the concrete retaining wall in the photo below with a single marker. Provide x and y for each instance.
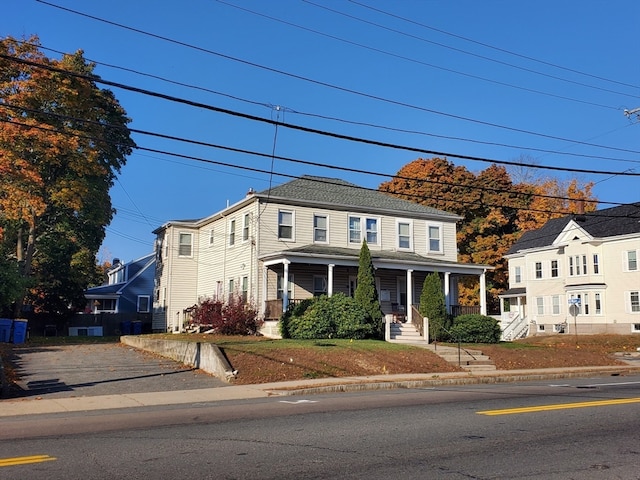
(205, 356)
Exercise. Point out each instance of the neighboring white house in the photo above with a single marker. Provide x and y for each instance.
(300, 239)
(589, 260)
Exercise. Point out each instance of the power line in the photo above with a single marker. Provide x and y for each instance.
(96, 79)
(326, 84)
(465, 52)
(493, 47)
(273, 172)
(419, 62)
(349, 122)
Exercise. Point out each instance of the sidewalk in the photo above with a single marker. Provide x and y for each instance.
(39, 405)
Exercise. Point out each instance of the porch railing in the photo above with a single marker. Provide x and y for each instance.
(273, 308)
(457, 310)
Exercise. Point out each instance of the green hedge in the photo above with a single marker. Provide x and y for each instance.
(475, 329)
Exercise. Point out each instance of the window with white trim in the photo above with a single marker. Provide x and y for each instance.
(245, 289)
(246, 221)
(285, 225)
(404, 235)
(538, 269)
(143, 303)
(634, 302)
(232, 289)
(596, 264)
(355, 230)
(371, 225)
(555, 303)
(211, 237)
(518, 274)
(540, 305)
(280, 287)
(320, 229)
(319, 285)
(577, 265)
(598, 302)
(434, 240)
(184, 244)
(632, 260)
(232, 232)
(635, 327)
(554, 268)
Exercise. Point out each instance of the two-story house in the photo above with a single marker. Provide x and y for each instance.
(589, 261)
(301, 239)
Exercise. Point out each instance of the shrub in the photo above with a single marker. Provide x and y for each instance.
(296, 311)
(432, 306)
(338, 316)
(475, 329)
(232, 318)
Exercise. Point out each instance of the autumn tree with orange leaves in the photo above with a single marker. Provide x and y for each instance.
(495, 211)
(62, 142)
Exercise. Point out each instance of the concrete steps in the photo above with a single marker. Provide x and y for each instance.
(468, 359)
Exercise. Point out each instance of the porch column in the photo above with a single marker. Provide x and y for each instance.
(409, 295)
(447, 291)
(285, 287)
(330, 280)
(483, 293)
(263, 303)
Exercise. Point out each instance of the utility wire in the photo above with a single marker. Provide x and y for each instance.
(350, 122)
(416, 61)
(323, 84)
(330, 182)
(97, 79)
(493, 47)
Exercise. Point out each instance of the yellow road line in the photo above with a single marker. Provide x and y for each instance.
(560, 406)
(8, 462)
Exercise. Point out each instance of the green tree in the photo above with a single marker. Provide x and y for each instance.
(432, 306)
(366, 293)
(62, 142)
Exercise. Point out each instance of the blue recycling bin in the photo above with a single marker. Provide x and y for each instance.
(19, 330)
(5, 329)
(125, 328)
(137, 328)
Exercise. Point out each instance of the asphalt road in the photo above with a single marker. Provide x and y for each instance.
(582, 429)
(100, 369)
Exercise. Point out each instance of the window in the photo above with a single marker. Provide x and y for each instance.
(211, 237)
(596, 264)
(555, 300)
(634, 301)
(280, 287)
(184, 244)
(585, 303)
(540, 305)
(435, 238)
(355, 231)
(232, 232)
(538, 269)
(285, 225)
(584, 264)
(632, 260)
(518, 274)
(571, 266)
(540, 328)
(578, 265)
(143, 304)
(232, 289)
(320, 228)
(245, 289)
(635, 327)
(404, 235)
(554, 268)
(245, 227)
(319, 285)
(598, 304)
(372, 230)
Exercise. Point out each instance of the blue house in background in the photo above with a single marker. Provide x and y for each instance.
(125, 298)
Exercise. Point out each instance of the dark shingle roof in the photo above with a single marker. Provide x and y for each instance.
(335, 192)
(610, 222)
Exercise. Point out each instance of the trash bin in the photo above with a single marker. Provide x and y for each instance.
(19, 330)
(137, 328)
(5, 329)
(125, 328)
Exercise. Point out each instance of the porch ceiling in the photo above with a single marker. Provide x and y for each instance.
(323, 254)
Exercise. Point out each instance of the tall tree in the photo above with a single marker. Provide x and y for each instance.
(366, 294)
(494, 211)
(62, 142)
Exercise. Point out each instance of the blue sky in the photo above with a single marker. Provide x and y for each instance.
(542, 80)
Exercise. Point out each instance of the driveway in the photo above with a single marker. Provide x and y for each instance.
(63, 371)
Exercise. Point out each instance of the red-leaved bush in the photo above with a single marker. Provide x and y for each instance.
(232, 318)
